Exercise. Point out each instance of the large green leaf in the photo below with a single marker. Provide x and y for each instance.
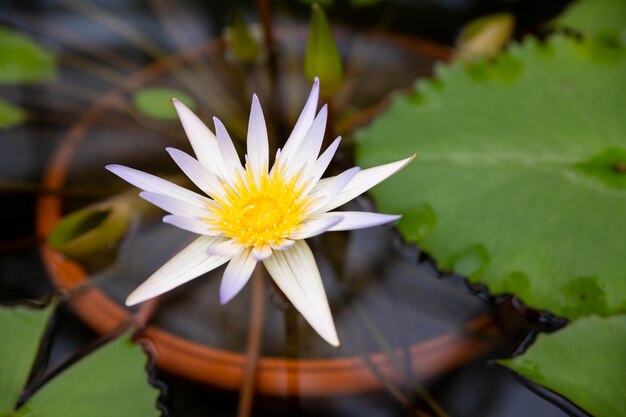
(592, 16)
(519, 181)
(22, 60)
(584, 362)
(21, 330)
(109, 382)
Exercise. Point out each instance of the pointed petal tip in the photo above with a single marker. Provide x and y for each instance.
(132, 299)
(175, 153)
(330, 336)
(181, 108)
(169, 219)
(393, 217)
(117, 169)
(225, 297)
(316, 81)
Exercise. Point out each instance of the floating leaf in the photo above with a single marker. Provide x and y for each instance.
(109, 382)
(156, 102)
(22, 60)
(10, 115)
(584, 362)
(21, 329)
(322, 57)
(519, 180)
(592, 16)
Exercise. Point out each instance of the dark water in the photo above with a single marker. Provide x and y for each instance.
(359, 277)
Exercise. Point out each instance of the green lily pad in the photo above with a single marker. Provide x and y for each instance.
(22, 60)
(10, 115)
(22, 329)
(592, 16)
(109, 382)
(156, 102)
(518, 182)
(584, 362)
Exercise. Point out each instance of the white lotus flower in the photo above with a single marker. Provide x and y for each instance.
(252, 215)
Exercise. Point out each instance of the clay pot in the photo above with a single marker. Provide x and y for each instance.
(218, 366)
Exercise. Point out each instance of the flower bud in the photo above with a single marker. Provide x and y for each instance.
(322, 57)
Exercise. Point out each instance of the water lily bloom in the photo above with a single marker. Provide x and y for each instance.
(256, 214)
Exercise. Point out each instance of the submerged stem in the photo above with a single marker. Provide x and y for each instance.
(395, 361)
(253, 349)
(292, 340)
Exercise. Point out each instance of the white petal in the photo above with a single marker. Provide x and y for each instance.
(190, 224)
(188, 264)
(175, 206)
(258, 156)
(303, 124)
(203, 141)
(261, 254)
(296, 274)
(353, 220)
(328, 191)
(197, 173)
(310, 148)
(321, 164)
(226, 248)
(236, 275)
(228, 151)
(362, 182)
(149, 182)
(317, 226)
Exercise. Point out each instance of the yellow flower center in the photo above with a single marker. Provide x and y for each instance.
(257, 215)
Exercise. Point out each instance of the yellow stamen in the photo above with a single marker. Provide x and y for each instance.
(257, 214)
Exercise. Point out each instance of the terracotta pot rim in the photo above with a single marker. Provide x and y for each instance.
(276, 376)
